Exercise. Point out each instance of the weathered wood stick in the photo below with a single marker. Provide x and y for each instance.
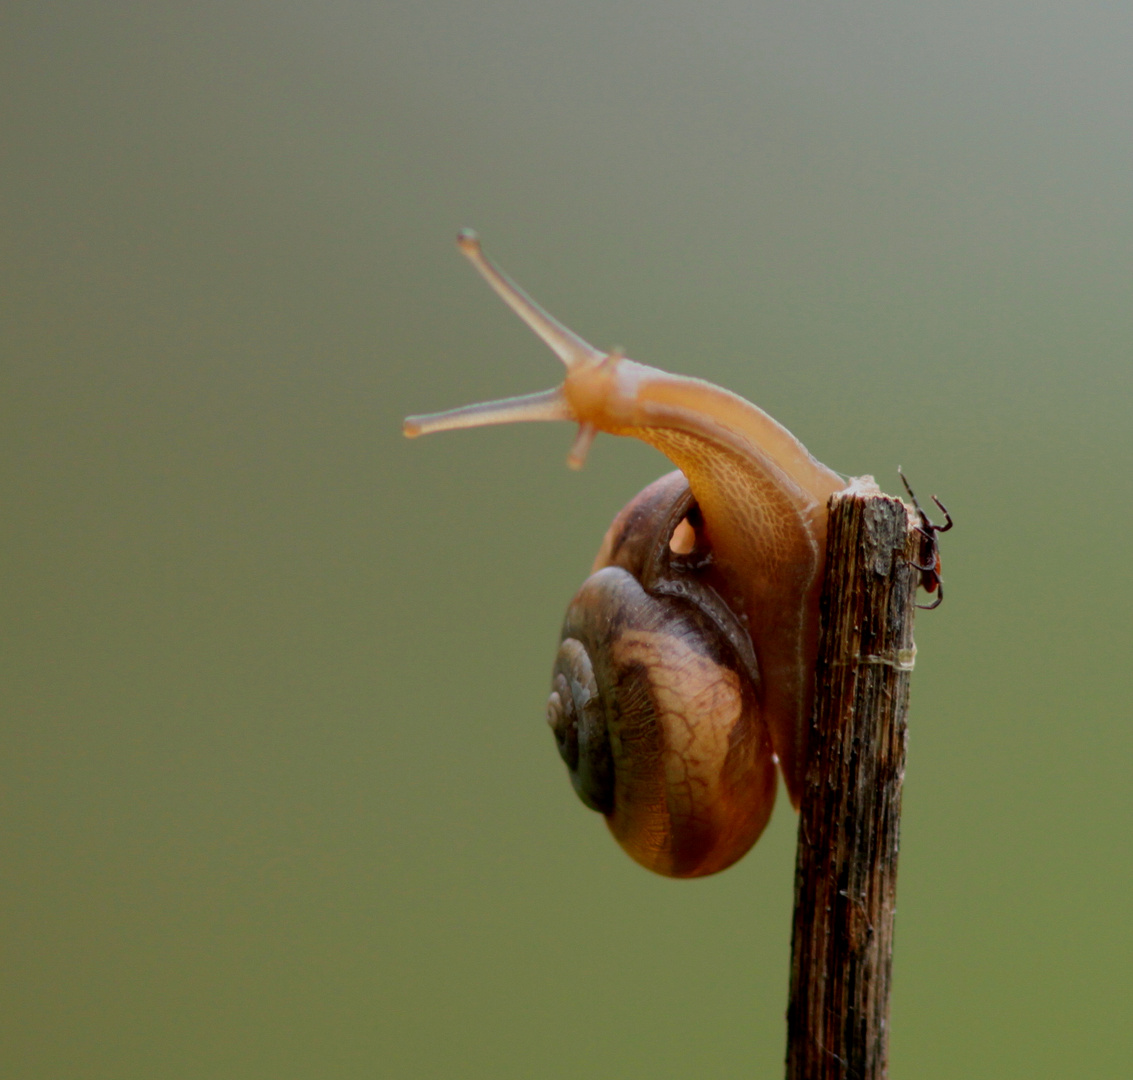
(846, 866)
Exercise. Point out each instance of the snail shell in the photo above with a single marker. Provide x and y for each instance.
(655, 698)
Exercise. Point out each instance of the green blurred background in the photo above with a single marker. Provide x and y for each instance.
(278, 796)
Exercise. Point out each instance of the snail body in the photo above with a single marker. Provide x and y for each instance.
(685, 667)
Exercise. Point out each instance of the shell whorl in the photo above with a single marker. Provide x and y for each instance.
(655, 699)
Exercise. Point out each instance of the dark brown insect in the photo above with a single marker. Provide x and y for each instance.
(929, 564)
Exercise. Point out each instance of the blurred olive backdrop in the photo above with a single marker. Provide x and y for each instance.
(279, 800)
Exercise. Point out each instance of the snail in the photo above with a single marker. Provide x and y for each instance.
(685, 669)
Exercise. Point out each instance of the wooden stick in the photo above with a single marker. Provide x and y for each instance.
(846, 867)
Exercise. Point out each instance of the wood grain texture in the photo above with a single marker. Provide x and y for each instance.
(846, 867)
